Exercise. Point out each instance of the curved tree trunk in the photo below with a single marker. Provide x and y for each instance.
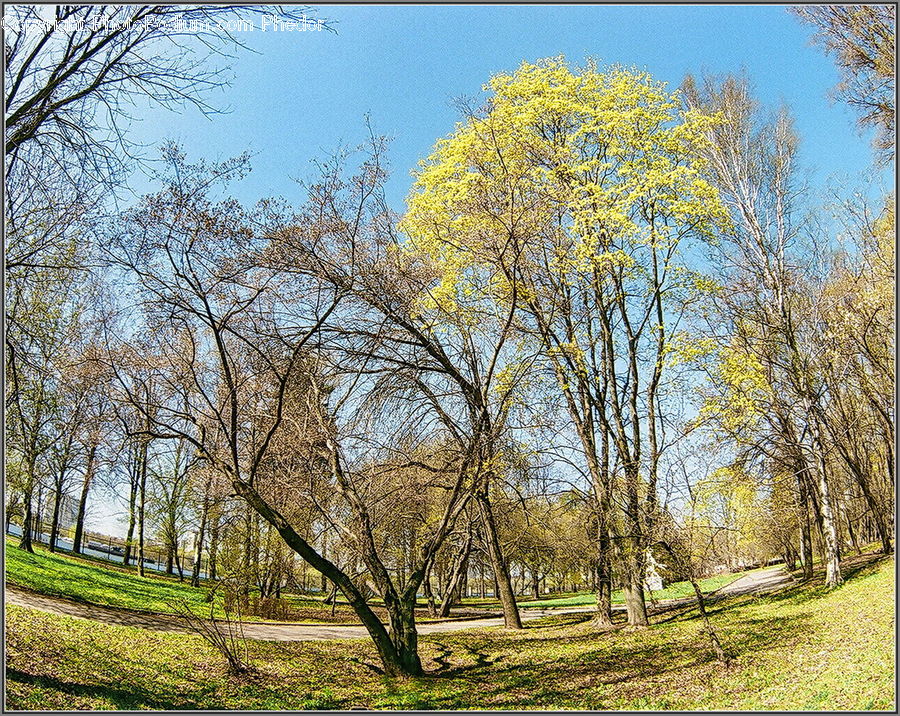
(459, 569)
(398, 649)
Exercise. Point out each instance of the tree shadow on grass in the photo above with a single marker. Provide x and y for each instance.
(808, 590)
(123, 699)
(610, 664)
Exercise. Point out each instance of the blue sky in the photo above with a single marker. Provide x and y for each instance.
(306, 93)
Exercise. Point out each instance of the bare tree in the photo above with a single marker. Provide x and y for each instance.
(241, 345)
(862, 40)
(73, 71)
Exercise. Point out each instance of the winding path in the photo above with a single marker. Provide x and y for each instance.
(753, 583)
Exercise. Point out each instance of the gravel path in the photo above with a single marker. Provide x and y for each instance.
(754, 583)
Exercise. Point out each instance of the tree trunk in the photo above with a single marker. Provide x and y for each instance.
(27, 518)
(851, 532)
(398, 650)
(511, 618)
(860, 477)
(132, 521)
(878, 515)
(635, 606)
(54, 524)
(195, 573)
(429, 595)
(178, 562)
(459, 568)
(806, 556)
(170, 549)
(833, 575)
(633, 586)
(603, 576)
(246, 576)
(721, 655)
(82, 501)
(603, 567)
(214, 550)
(142, 505)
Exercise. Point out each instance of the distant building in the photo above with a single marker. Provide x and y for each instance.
(652, 578)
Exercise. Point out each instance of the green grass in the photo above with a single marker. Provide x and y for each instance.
(804, 648)
(85, 581)
(92, 581)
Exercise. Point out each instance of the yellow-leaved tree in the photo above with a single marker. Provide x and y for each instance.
(570, 199)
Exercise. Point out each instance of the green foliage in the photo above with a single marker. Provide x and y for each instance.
(568, 158)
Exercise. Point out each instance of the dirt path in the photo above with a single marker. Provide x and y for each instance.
(253, 630)
(758, 582)
(753, 583)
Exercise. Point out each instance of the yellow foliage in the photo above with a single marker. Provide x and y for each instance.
(586, 162)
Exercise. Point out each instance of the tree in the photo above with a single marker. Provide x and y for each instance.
(861, 39)
(72, 74)
(169, 482)
(35, 372)
(72, 71)
(580, 187)
(771, 365)
(243, 325)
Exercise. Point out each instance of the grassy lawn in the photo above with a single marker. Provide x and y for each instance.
(804, 648)
(86, 581)
(91, 581)
(95, 582)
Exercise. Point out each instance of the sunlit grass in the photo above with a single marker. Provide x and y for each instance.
(804, 648)
(90, 581)
(85, 581)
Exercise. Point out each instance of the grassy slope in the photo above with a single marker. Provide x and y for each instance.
(86, 581)
(89, 581)
(803, 649)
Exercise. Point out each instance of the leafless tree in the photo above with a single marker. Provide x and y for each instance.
(862, 39)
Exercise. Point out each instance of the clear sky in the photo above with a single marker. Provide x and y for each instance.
(306, 93)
